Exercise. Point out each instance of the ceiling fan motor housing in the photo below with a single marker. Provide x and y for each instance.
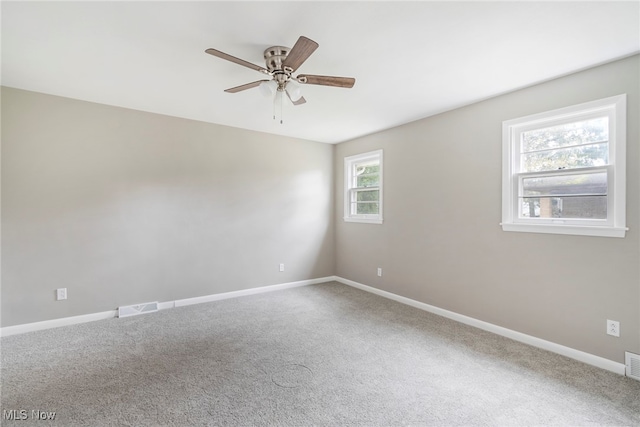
(275, 56)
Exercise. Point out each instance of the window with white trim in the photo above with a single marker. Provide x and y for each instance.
(564, 170)
(363, 187)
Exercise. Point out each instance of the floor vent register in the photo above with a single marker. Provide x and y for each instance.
(134, 310)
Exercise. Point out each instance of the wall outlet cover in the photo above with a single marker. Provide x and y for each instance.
(613, 328)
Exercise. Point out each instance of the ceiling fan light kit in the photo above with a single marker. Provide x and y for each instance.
(281, 62)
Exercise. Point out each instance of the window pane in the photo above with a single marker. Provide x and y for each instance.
(367, 208)
(584, 207)
(368, 175)
(566, 158)
(368, 196)
(582, 132)
(368, 180)
(566, 185)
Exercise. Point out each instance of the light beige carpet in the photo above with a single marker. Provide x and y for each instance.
(326, 355)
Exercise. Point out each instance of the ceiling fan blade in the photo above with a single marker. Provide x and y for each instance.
(300, 101)
(238, 61)
(299, 53)
(346, 82)
(245, 86)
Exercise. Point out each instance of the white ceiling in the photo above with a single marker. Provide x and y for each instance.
(410, 59)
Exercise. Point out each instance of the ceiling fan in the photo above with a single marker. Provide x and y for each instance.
(281, 63)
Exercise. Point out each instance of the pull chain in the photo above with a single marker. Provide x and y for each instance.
(274, 105)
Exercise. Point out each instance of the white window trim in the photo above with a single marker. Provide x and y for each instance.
(614, 226)
(348, 161)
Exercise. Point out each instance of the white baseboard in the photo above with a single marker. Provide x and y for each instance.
(66, 321)
(252, 291)
(588, 358)
(56, 323)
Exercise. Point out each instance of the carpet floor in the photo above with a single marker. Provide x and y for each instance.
(326, 355)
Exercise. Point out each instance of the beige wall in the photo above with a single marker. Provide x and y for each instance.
(123, 207)
(441, 242)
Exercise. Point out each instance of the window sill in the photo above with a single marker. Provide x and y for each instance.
(363, 220)
(579, 230)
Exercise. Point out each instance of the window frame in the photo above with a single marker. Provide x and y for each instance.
(614, 225)
(350, 189)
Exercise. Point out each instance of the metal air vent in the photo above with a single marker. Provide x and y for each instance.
(632, 361)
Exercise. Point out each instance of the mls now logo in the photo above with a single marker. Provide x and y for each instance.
(23, 414)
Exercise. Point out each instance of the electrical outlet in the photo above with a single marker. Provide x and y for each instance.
(379, 272)
(281, 267)
(61, 294)
(613, 328)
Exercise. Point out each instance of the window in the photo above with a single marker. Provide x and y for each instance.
(564, 170)
(363, 187)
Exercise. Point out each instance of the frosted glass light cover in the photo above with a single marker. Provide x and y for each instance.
(268, 88)
(293, 89)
